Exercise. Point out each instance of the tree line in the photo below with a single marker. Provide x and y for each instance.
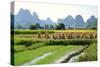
(59, 26)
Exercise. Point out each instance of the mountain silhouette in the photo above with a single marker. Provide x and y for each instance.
(79, 22)
(69, 21)
(25, 19)
(35, 17)
(92, 22)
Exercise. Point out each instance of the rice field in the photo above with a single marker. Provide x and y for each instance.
(28, 45)
(90, 53)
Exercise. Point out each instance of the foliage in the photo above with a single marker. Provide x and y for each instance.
(26, 56)
(24, 45)
(60, 26)
(70, 42)
(30, 44)
(32, 31)
(33, 27)
(90, 53)
(58, 53)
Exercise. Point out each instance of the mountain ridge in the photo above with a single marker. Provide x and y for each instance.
(25, 19)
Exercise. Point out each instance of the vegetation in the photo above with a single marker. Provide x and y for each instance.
(50, 31)
(33, 27)
(90, 54)
(23, 45)
(19, 48)
(60, 26)
(32, 31)
(26, 56)
(58, 53)
(57, 36)
(27, 45)
(33, 38)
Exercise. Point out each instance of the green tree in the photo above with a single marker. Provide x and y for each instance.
(60, 26)
(51, 26)
(33, 27)
(38, 26)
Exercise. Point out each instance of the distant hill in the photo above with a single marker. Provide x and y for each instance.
(24, 18)
(91, 22)
(79, 22)
(69, 21)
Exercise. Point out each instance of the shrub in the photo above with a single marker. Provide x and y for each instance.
(24, 42)
(36, 45)
(70, 42)
(90, 54)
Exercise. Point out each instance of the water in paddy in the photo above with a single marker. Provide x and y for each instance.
(38, 58)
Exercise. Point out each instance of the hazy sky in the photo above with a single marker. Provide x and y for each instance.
(55, 11)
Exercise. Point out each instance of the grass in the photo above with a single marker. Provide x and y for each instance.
(58, 53)
(19, 48)
(23, 45)
(90, 53)
(54, 42)
(27, 47)
(26, 56)
(51, 31)
(32, 31)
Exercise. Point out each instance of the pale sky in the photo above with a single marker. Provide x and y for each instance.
(55, 11)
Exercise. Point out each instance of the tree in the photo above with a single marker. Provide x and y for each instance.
(60, 26)
(51, 26)
(33, 27)
(38, 26)
(47, 27)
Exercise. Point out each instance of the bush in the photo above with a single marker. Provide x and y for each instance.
(90, 54)
(24, 42)
(70, 42)
(36, 45)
